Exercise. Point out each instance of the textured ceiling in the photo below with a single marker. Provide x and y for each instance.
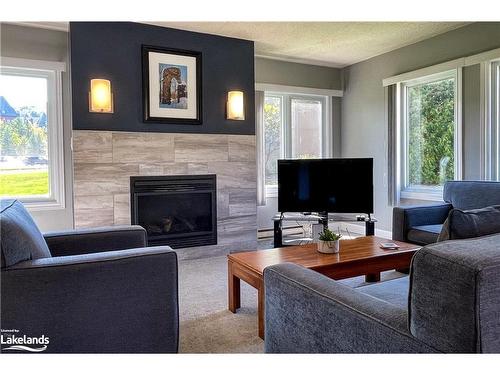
(336, 44)
(323, 43)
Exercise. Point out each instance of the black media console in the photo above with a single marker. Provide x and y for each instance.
(278, 223)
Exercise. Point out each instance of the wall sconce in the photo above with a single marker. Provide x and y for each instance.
(235, 106)
(100, 96)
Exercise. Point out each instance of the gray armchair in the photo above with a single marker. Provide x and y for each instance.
(90, 291)
(422, 224)
(449, 304)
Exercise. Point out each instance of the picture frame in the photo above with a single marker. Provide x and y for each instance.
(171, 83)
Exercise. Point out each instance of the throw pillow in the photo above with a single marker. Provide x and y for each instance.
(444, 235)
(462, 224)
(20, 238)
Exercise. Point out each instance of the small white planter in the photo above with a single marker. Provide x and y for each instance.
(329, 247)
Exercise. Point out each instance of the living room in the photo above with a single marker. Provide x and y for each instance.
(230, 187)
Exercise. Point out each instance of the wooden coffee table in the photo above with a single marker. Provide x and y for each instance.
(359, 256)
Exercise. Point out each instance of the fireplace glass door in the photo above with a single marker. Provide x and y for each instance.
(178, 213)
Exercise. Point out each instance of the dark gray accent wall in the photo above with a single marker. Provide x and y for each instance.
(39, 44)
(112, 50)
(294, 74)
(364, 132)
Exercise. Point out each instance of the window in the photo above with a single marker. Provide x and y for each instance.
(430, 135)
(294, 127)
(273, 125)
(31, 154)
(307, 125)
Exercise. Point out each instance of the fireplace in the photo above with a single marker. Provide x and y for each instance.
(178, 211)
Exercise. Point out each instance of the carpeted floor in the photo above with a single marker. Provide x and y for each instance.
(206, 325)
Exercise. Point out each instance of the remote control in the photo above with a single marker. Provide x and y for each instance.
(389, 246)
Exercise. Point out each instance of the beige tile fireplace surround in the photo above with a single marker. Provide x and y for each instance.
(105, 160)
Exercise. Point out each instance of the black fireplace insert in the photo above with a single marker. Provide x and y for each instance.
(178, 211)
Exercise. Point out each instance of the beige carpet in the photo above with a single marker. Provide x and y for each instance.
(206, 326)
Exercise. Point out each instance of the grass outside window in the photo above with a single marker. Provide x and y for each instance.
(24, 184)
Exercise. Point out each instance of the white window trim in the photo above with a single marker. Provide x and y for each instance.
(490, 55)
(52, 70)
(286, 128)
(427, 193)
(424, 72)
(271, 87)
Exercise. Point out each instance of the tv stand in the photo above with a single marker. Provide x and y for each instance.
(321, 218)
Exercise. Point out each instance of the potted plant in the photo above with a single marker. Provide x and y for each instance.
(329, 242)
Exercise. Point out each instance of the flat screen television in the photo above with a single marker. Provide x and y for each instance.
(325, 185)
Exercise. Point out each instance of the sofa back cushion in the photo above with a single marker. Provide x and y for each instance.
(20, 237)
(471, 223)
(454, 295)
(468, 195)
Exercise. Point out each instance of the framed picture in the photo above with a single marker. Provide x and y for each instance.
(171, 85)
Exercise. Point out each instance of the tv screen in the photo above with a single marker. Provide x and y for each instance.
(331, 185)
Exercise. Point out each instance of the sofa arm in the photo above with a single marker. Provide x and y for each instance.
(83, 241)
(404, 218)
(110, 302)
(307, 312)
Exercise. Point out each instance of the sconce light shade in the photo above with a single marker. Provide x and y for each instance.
(235, 105)
(100, 96)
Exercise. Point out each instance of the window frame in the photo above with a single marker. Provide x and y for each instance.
(52, 71)
(428, 193)
(324, 136)
(286, 127)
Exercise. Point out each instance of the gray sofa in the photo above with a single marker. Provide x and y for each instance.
(422, 224)
(88, 291)
(450, 303)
